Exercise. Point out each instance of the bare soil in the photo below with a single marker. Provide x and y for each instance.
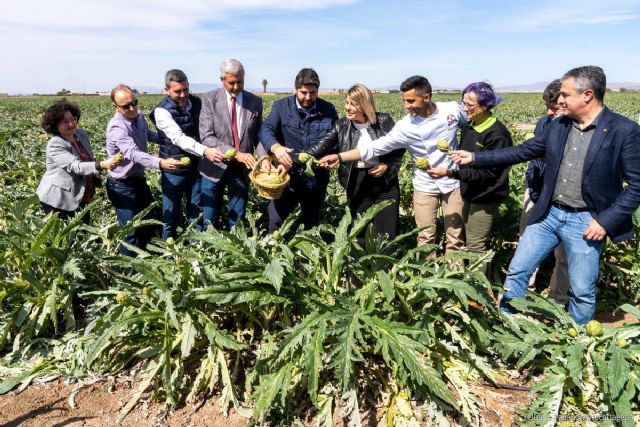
(47, 405)
(100, 404)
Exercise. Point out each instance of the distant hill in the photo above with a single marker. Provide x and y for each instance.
(539, 87)
(205, 87)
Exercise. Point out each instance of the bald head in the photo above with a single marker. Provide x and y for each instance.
(124, 101)
(120, 88)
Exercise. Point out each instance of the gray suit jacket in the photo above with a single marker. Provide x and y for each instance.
(62, 185)
(215, 128)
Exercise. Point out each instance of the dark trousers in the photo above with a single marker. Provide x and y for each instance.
(365, 191)
(65, 215)
(174, 187)
(130, 196)
(235, 179)
(308, 193)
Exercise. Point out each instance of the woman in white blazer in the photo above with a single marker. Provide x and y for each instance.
(70, 179)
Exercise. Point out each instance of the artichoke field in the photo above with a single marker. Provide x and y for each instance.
(299, 321)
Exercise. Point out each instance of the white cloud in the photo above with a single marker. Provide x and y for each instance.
(98, 39)
(152, 14)
(559, 15)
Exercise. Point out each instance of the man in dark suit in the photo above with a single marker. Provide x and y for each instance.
(591, 188)
(295, 124)
(230, 119)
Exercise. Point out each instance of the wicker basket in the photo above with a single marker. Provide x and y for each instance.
(267, 190)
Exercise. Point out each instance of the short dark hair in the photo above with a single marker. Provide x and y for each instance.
(307, 77)
(589, 77)
(55, 114)
(484, 93)
(419, 83)
(175, 75)
(552, 92)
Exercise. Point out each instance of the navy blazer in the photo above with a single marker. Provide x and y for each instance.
(611, 174)
(286, 127)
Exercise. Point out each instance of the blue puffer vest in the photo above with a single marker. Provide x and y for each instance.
(187, 121)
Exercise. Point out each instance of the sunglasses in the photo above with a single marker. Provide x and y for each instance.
(128, 106)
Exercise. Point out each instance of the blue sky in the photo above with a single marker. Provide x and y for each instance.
(93, 45)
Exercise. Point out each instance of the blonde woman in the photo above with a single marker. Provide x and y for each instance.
(375, 180)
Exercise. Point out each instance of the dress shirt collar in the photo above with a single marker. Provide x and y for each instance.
(591, 125)
(238, 98)
(305, 111)
(121, 117)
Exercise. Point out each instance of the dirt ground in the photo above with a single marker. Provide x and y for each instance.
(47, 405)
(99, 404)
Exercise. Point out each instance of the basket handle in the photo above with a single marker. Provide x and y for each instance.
(259, 163)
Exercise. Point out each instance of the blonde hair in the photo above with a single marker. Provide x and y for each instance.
(361, 96)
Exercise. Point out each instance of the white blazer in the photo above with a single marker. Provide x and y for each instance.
(63, 184)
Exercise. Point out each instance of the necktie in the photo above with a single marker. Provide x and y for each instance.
(234, 124)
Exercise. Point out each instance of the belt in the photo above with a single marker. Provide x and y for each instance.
(128, 180)
(568, 208)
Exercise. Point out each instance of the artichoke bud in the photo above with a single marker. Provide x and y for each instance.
(422, 163)
(118, 158)
(594, 328)
(443, 145)
(122, 298)
(304, 157)
(230, 154)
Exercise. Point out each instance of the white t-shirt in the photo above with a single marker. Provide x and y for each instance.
(365, 138)
(419, 135)
(165, 123)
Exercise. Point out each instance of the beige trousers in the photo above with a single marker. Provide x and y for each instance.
(425, 207)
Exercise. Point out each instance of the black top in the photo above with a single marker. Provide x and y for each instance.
(344, 136)
(484, 185)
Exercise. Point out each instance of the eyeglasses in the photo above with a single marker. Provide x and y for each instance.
(132, 104)
(468, 106)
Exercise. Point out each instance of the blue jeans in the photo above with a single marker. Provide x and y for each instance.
(583, 256)
(130, 196)
(174, 186)
(235, 179)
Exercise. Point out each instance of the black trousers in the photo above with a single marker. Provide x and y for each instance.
(306, 192)
(365, 191)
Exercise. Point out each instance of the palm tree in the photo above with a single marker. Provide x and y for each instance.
(264, 85)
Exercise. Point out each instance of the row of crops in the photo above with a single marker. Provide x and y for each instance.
(274, 327)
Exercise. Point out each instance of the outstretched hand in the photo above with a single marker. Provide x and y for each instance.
(282, 155)
(461, 157)
(329, 161)
(213, 154)
(110, 164)
(246, 159)
(169, 164)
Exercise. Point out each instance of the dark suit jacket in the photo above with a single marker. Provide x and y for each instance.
(215, 128)
(613, 159)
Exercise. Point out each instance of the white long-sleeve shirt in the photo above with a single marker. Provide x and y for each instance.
(165, 123)
(419, 136)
